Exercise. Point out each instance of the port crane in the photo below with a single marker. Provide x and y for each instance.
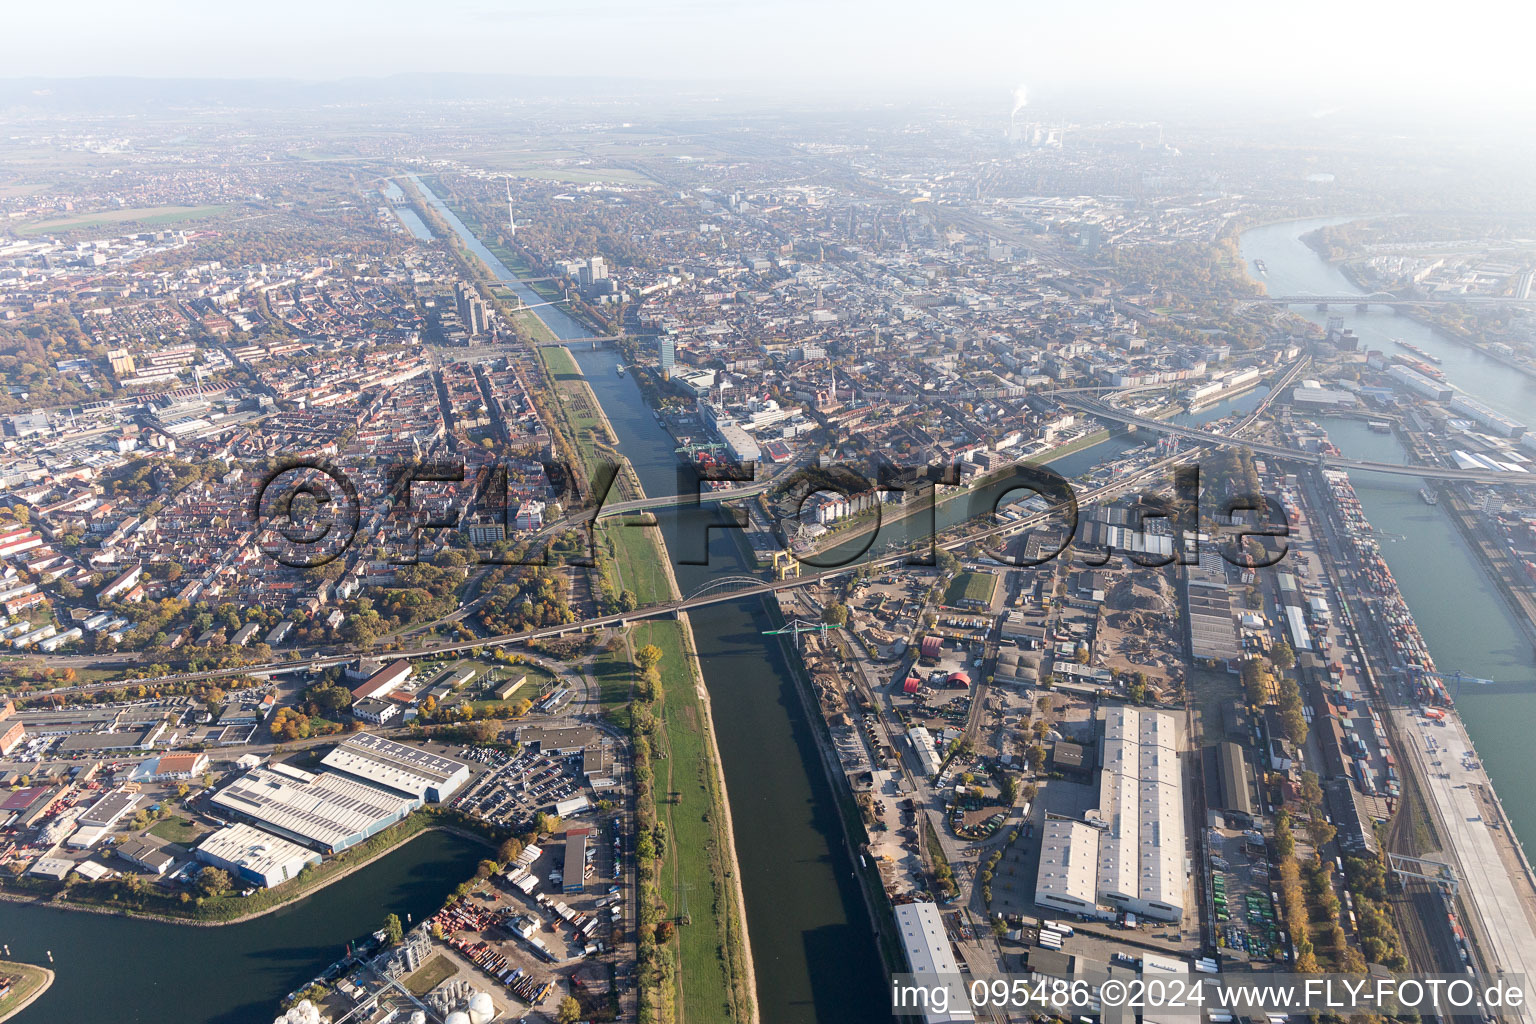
(1458, 677)
(798, 627)
(693, 448)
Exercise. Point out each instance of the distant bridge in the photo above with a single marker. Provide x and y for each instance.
(1388, 299)
(1478, 476)
(595, 341)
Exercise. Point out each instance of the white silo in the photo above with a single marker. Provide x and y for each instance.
(481, 1009)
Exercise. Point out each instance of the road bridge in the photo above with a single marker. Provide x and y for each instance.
(595, 341)
(1478, 476)
(1388, 299)
(730, 588)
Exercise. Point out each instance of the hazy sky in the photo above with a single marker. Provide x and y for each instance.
(1342, 50)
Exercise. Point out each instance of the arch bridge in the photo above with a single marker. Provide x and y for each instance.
(725, 585)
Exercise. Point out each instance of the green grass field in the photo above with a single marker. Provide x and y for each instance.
(28, 979)
(971, 587)
(695, 854)
(638, 561)
(149, 215)
(430, 975)
(584, 422)
(614, 676)
(176, 830)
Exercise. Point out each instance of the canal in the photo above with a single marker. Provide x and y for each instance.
(146, 972)
(1464, 620)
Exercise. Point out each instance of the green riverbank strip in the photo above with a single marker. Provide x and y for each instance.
(707, 971)
(28, 982)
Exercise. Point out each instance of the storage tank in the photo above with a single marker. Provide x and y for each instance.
(457, 1017)
(481, 1009)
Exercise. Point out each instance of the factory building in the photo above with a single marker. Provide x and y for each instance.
(328, 812)
(409, 770)
(1426, 386)
(931, 960)
(1066, 877)
(385, 681)
(1128, 855)
(574, 875)
(255, 856)
(1485, 417)
(110, 809)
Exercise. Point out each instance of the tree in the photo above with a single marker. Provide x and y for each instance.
(648, 657)
(835, 615)
(1282, 655)
(213, 882)
(1035, 756)
(393, 930)
(1256, 680)
(508, 851)
(569, 1012)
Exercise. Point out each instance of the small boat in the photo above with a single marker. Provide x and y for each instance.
(619, 369)
(1379, 426)
(1429, 496)
(1261, 266)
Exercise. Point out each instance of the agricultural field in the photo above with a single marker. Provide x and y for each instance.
(149, 216)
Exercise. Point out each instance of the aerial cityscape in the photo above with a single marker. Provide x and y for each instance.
(670, 532)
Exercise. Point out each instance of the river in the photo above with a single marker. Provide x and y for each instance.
(812, 944)
(1461, 614)
(149, 972)
(409, 217)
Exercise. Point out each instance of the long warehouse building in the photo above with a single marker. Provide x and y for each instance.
(410, 770)
(931, 959)
(328, 812)
(1129, 854)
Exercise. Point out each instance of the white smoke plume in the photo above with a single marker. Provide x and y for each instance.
(1020, 98)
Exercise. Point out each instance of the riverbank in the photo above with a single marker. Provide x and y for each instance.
(639, 562)
(1453, 334)
(1495, 564)
(30, 982)
(305, 887)
(872, 523)
(736, 925)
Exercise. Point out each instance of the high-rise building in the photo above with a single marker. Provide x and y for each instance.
(596, 270)
(667, 350)
(470, 307)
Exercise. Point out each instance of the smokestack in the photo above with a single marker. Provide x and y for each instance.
(1020, 101)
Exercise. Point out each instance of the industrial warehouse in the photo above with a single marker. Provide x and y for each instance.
(931, 959)
(328, 812)
(1128, 855)
(255, 856)
(410, 770)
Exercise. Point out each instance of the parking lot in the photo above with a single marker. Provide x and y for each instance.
(1246, 916)
(513, 790)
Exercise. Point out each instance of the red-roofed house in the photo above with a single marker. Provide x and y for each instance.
(385, 680)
